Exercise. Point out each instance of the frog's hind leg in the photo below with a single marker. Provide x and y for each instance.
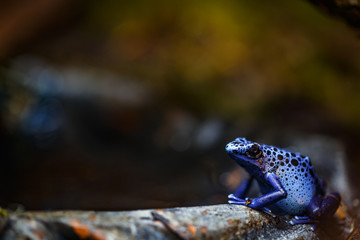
(320, 209)
(328, 207)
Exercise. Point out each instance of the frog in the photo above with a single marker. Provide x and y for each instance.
(287, 181)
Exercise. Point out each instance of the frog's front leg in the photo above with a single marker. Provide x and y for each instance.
(266, 199)
(244, 187)
(320, 209)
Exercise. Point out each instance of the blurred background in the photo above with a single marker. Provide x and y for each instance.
(117, 105)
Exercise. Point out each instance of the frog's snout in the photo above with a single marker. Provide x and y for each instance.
(229, 147)
(237, 147)
(234, 148)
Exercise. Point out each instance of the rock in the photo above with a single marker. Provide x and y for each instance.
(216, 222)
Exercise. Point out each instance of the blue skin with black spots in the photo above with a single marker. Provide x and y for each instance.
(286, 179)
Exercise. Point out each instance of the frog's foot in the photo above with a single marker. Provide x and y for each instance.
(235, 200)
(301, 220)
(304, 220)
(267, 210)
(320, 209)
(238, 201)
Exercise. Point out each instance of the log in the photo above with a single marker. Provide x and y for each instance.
(203, 222)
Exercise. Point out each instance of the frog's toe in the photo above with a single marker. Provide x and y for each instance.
(312, 228)
(301, 220)
(266, 210)
(233, 197)
(240, 202)
(304, 221)
(235, 200)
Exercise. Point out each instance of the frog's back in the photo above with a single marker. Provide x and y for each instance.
(296, 175)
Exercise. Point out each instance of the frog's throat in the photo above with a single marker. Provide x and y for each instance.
(251, 166)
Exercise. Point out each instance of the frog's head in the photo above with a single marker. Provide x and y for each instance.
(246, 153)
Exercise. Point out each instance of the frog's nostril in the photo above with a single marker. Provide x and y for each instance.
(228, 147)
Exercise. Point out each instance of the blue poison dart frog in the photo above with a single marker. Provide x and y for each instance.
(286, 179)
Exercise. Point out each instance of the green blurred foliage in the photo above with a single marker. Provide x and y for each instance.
(225, 58)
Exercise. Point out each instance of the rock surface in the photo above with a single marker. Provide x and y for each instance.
(206, 222)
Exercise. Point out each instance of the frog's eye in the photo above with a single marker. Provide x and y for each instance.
(254, 151)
